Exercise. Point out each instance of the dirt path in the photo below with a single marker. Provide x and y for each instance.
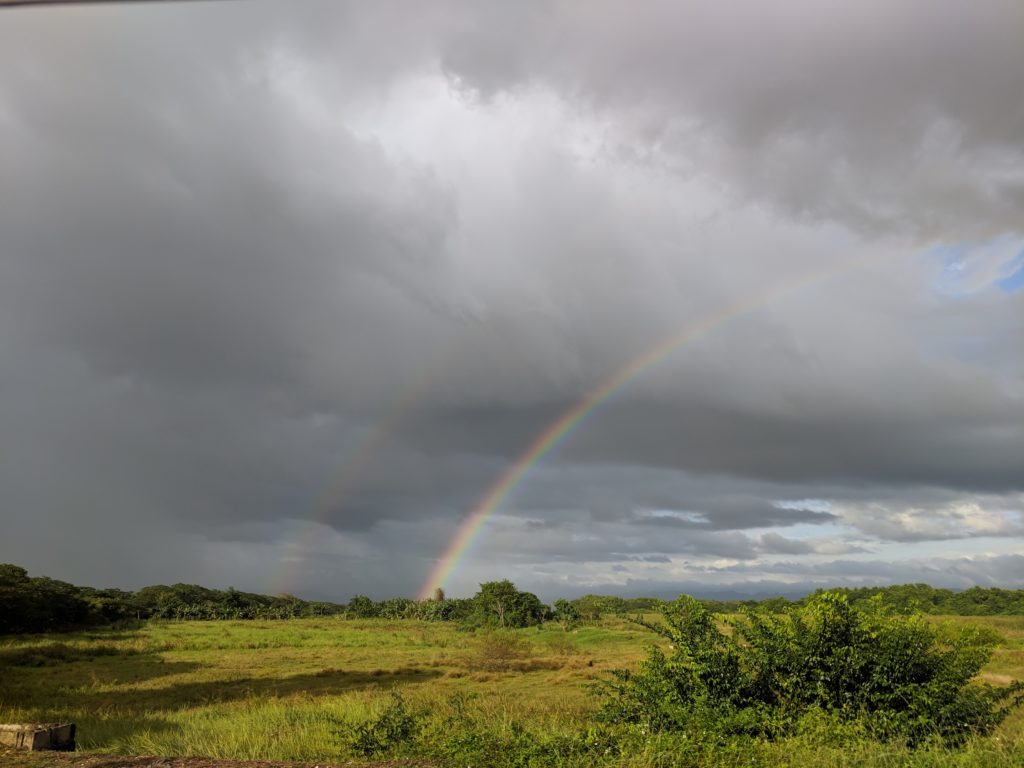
(21, 759)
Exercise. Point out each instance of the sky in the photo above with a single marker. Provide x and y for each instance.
(287, 288)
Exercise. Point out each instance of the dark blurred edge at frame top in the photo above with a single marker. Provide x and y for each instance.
(23, 3)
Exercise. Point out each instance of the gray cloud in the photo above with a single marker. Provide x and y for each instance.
(775, 544)
(884, 117)
(281, 311)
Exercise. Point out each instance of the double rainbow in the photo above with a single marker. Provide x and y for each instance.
(469, 530)
(345, 478)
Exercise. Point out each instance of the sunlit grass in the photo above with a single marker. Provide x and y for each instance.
(288, 690)
(246, 688)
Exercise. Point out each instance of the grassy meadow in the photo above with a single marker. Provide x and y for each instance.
(300, 690)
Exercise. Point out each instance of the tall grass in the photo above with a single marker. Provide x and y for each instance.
(296, 690)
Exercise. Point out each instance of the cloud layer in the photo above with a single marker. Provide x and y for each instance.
(285, 289)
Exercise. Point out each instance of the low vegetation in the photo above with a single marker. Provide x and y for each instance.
(893, 676)
(40, 604)
(904, 598)
(838, 679)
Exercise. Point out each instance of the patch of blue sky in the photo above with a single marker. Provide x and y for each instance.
(1014, 281)
(968, 268)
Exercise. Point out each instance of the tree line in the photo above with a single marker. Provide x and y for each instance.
(901, 598)
(40, 604)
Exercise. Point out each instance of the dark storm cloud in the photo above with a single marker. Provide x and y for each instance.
(913, 446)
(264, 264)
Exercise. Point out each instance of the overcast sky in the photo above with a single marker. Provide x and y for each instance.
(286, 288)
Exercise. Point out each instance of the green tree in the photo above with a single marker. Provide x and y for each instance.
(12, 575)
(590, 607)
(566, 614)
(362, 607)
(500, 603)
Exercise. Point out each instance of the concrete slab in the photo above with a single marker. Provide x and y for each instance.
(36, 736)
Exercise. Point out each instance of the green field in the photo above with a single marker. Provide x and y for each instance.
(298, 690)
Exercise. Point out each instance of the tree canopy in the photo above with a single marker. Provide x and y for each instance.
(499, 603)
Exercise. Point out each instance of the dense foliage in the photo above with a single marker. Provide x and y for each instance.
(976, 601)
(903, 598)
(592, 607)
(39, 604)
(442, 609)
(189, 601)
(896, 674)
(499, 603)
(566, 614)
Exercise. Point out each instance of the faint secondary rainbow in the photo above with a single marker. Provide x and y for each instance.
(554, 434)
(345, 477)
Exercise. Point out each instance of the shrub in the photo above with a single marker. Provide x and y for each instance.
(396, 608)
(898, 675)
(499, 650)
(446, 609)
(362, 607)
(394, 727)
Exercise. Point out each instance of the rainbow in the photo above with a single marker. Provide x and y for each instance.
(344, 479)
(553, 435)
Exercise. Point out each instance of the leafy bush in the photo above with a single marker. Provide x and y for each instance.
(394, 727)
(899, 675)
(445, 609)
(498, 650)
(362, 607)
(396, 608)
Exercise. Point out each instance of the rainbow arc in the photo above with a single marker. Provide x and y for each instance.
(552, 436)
